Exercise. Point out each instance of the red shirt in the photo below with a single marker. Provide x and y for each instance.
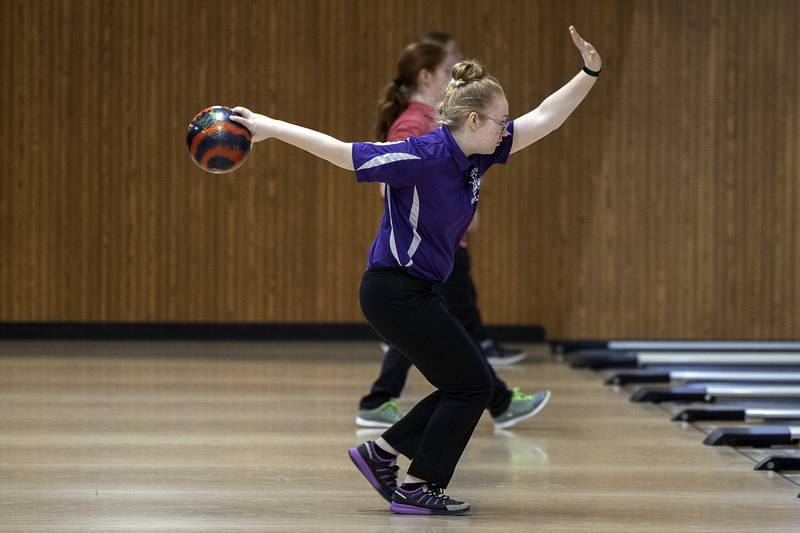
(417, 119)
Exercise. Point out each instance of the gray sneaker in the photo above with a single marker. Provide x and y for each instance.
(383, 416)
(499, 355)
(424, 500)
(522, 406)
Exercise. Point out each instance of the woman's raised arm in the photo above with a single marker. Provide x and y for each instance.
(555, 109)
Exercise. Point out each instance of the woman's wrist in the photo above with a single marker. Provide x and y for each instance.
(590, 72)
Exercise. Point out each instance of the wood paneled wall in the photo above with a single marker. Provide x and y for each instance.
(666, 206)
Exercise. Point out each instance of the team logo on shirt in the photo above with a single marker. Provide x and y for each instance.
(475, 180)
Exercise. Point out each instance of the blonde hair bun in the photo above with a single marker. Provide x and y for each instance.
(468, 70)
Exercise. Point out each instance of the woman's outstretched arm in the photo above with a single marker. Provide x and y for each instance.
(319, 144)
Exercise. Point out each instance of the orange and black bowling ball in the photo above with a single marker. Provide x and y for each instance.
(216, 143)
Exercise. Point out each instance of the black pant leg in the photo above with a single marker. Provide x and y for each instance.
(462, 298)
(410, 314)
(390, 382)
(501, 396)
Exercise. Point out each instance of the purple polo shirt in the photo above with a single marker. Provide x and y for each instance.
(432, 192)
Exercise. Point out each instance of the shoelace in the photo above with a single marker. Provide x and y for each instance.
(516, 394)
(391, 405)
(437, 493)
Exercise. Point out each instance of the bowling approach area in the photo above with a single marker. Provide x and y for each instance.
(252, 436)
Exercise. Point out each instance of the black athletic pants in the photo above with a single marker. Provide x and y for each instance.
(410, 314)
(461, 298)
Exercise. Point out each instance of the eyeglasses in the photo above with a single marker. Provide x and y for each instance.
(503, 123)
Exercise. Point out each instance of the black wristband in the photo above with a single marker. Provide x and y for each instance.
(590, 72)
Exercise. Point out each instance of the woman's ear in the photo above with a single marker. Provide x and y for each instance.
(472, 119)
(424, 77)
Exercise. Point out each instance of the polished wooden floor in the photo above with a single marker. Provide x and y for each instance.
(143, 436)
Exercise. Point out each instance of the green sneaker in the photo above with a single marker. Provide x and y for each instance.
(383, 416)
(522, 406)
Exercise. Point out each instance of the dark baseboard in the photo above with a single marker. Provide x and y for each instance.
(222, 331)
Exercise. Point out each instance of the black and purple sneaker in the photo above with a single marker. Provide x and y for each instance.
(381, 473)
(426, 499)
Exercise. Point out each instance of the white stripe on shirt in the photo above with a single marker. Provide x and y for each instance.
(413, 217)
(386, 158)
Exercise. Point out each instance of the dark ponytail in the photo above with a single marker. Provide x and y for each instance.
(393, 102)
(395, 96)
